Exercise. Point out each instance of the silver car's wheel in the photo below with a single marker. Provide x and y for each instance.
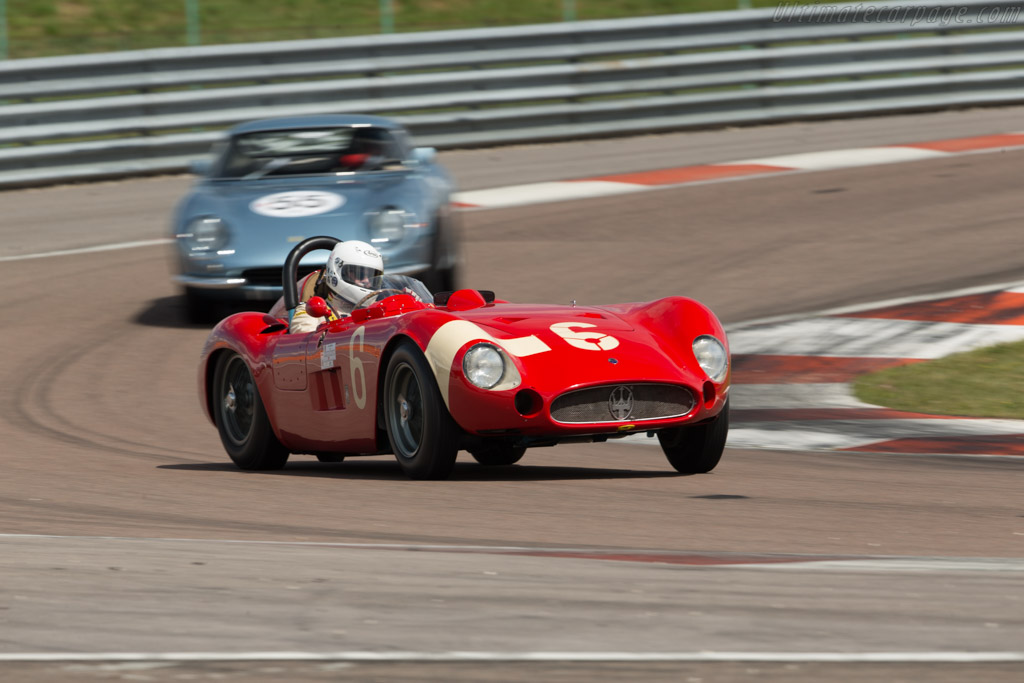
(199, 309)
(445, 251)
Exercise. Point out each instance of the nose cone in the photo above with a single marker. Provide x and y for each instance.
(267, 219)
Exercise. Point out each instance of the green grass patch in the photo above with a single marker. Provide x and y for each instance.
(988, 382)
(38, 28)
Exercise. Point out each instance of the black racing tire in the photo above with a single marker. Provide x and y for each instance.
(497, 453)
(444, 279)
(241, 418)
(441, 280)
(199, 310)
(697, 449)
(423, 435)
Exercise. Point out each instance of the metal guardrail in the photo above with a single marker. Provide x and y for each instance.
(151, 111)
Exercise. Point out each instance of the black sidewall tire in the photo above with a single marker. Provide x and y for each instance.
(438, 441)
(446, 247)
(698, 449)
(446, 280)
(259, 449)
(498, 454)
(199, 309)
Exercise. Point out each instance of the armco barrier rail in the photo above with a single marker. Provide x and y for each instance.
(151, 111)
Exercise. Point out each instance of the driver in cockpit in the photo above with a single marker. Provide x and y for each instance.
(353, 274)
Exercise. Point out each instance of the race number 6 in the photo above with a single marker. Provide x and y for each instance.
(588, 341)
(356, 365)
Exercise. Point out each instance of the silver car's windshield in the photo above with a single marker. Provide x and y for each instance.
(316, 151)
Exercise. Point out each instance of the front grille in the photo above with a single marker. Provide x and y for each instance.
(272, 276)
(622, 403)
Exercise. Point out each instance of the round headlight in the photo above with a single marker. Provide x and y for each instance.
(711, 355)
(207, 233)
(483, 366)
(387, 225)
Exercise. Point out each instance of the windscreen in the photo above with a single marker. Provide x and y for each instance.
(288, 143)
(309, 152)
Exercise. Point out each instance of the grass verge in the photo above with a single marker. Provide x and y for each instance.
(37, 28)
(988, 382)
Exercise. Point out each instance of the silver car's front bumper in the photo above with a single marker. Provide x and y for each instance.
(212, 282)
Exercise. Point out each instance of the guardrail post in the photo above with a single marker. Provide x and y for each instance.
(3, 29)
(191, 22)
(387, 16)
(568, 10)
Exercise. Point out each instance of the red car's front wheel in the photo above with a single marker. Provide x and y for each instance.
(697, 449)
(423, 435)
(497, 453)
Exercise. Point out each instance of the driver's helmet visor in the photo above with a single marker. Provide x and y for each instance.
(366, 277)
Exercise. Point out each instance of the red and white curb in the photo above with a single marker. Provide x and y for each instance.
(791, 377)
(623, 183)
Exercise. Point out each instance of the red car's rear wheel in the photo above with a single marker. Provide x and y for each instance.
(241, 418)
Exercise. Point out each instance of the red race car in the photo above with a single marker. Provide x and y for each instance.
(467, 371)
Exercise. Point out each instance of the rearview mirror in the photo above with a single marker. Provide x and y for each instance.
(424, 155)
(317, 307)
(199, 166)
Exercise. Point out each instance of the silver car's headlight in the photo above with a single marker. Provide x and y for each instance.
(205, 234)
(387, 225)
(483, 365)
(712, 357)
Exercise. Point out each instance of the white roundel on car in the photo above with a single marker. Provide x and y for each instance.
(296, 203)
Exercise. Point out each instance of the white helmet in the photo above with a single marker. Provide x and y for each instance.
(354, 270)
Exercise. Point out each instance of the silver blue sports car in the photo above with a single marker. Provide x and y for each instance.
(271, 184)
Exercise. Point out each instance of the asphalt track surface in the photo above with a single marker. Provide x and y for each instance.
(126, 529)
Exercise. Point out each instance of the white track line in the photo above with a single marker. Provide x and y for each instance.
(927, 657)
(88, 250)
(313, 544)
(889, 565)
(806, 561)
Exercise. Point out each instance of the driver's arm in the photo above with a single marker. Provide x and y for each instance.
(302, 321)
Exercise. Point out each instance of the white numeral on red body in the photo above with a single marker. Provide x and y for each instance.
(356, 365)
(588, 341)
